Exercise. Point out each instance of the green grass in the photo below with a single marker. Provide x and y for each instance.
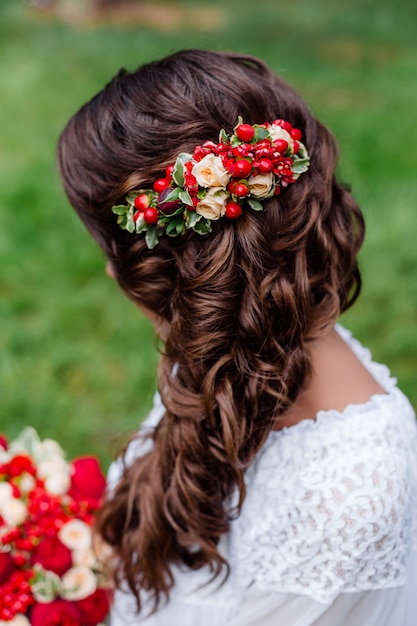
(77, 360)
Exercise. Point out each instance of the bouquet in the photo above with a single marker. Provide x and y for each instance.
(49, 573)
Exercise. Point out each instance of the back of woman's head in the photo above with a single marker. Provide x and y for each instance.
(241, 301)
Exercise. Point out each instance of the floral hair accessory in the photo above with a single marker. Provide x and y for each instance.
(217, 180)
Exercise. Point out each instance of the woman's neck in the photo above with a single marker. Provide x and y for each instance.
(338, 378)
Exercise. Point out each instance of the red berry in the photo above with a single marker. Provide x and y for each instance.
(245, 132)
(281, 145)
(284, 124)
(231, 186)
(296, 146)
(241, 190)
(242, 168)
(141, 202)
(160, 184)
(265, 166)
(169, 170)
(296, 134)
(233, 210)
(150, 215)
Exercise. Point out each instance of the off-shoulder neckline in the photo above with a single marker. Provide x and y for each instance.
(380, 372)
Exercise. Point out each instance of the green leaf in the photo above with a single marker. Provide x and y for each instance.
(171, 228)
(173, 195)
(130, 224)
(152, 237)
(122, 221)
(254, 204)
(260, 133)
(223, 136)
(192, 218)
(141, 225)
(300, 166)
(178, 173)
(203, 226)
(239, 122)
(302, 151)
(181, 228)
(185, 197)
(120, 209)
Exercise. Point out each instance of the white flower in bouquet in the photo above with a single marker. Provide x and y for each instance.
(78, 583)
(85, 558)
(58, 484)
(51, 449)
(76, 535)
(13, 512)
(26, 483)
(6, 492)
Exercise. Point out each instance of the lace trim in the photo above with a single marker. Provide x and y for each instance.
(338, 499)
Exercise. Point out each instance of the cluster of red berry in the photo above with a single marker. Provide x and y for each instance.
(15, 595)
(242, 155)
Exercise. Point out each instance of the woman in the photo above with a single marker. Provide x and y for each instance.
(275, 483)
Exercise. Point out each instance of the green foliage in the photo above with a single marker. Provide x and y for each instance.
(77, 359)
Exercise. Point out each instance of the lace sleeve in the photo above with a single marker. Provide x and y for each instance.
(335, 503)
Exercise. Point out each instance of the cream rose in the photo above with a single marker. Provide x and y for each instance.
(277, 132)
(260, 186)
(78, 583)
(52, 467)
(84, 558)
(58, 484)
(76, 535)
(27, 483)
(210, 172)
(13, 511)
(213, 206)
(6, 492)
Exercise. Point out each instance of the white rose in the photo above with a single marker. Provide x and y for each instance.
(213, 206)
(76, 535)
(51, 449)
(210, 172)
(85, 558)
(14, 512)
(18, 620)
(6, 492)
(4, 458)
(277, 132)
(52, 467)
(26, 483)
(260, 186)
(78, 583)
(58, 484)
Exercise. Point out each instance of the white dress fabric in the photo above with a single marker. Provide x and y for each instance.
(327, 535)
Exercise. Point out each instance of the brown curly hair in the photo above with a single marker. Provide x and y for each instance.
(241, 302)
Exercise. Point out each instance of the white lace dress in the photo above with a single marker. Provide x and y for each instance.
(327, 533)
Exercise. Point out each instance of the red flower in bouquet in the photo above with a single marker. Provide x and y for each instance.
(87, 481)
(94, 608)
(52, 555)
(56, 613)
(49, 573)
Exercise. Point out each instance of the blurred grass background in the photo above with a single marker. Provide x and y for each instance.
(77, 360)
